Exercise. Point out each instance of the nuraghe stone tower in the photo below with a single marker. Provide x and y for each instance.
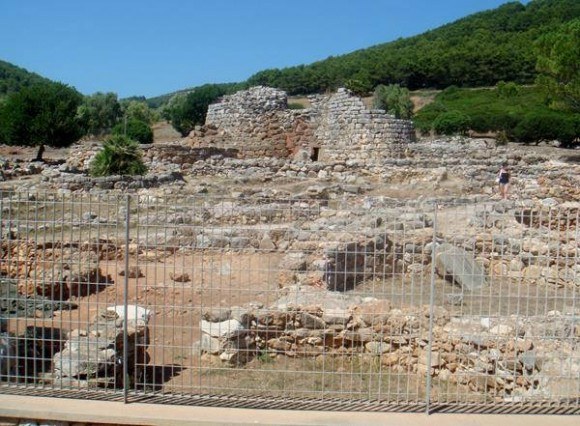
(337, 127)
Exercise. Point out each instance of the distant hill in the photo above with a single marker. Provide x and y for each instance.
(478, 50)
(13, 78)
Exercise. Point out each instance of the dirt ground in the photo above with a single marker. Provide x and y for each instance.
(222, 280)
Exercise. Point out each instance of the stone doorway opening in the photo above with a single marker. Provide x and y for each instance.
(315, 153)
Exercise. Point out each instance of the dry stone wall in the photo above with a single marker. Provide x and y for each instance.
(347, 130)
(258, 123)
(506, 358)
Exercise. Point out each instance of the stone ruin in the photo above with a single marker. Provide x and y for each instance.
(94, 357)
(81, 358)
(337, 127)
(506, 358)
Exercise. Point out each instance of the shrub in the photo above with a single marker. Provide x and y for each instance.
(451, 122)
(536, 127)
(135, 129)
(119, 156)
(507, 90)
(394, 99)
(358, 87)
(186, 111)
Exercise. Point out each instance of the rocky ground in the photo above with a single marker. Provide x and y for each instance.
(308, 263)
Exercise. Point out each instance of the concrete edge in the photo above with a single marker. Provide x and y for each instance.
(71, 410)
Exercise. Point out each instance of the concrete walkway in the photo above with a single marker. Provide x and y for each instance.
(22, 407)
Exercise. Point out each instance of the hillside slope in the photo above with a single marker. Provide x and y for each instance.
(13, 78)
(478, 50)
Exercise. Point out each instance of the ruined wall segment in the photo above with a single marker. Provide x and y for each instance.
(346, 129)
(257, 123)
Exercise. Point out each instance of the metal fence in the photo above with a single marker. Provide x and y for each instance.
(351, 304)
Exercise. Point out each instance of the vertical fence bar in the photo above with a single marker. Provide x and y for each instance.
(125, 301)
(431, 315)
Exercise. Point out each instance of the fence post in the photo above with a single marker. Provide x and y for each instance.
(125, 301)
(431, 311)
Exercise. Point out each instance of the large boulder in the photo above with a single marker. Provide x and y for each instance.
(456, 264)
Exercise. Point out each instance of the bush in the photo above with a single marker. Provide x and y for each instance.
(451, 122)
(136, 130)
(507, 90)
(394, 99)
(536, 127)
(186, 111)
(500, 121)
(119, 156)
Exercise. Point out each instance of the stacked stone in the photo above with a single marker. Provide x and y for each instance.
(57, 271)
(254, 121)
(347, 130)
(502, 357)
(94, 357)
(257, 123)
(562, 217)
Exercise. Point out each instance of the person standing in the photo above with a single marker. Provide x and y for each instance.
(503, 178)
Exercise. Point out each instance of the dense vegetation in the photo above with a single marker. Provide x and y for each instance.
(559, 65)
(42, 114)
(120, 156)
(394, 99)
(13, 78)
(185, 111)
(537, 43)
(515, 112)
(134, 129)
(479, 50)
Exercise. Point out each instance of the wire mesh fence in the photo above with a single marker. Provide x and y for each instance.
(339, 302)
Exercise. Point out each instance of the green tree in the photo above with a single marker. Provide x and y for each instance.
(394, 99)
(99, 113)
(42, 114)
(559, 65)
(139, 110)
(356, 86)
(134, 129)
(120, 156)
(451, 122)
(187, 111)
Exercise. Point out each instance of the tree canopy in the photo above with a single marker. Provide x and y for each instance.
(99, 113)
(42, 114)
(559, 65)
(186, 111)
(13, 78)
(478, 50)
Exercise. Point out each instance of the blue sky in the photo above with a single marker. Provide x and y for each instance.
(149, 48)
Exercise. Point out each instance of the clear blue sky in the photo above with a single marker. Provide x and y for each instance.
(147, 47)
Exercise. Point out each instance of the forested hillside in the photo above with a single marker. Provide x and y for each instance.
(479, 50)
(512, 48)
(13, 78)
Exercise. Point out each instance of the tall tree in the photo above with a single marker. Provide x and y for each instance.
(100, 112)
(559, 65)
(39, 115)
(138, 110)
